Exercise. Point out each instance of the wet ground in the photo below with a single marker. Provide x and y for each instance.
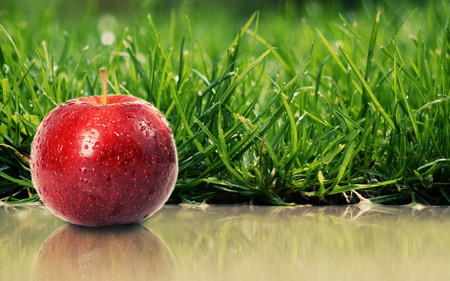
(232, 243)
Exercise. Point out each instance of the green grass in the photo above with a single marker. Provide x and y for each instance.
(271, 104)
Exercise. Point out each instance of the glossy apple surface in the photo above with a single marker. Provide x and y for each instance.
(97, 164)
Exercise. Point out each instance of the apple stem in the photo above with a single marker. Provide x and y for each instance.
(104, 86)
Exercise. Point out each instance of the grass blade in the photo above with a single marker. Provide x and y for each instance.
(366, 86)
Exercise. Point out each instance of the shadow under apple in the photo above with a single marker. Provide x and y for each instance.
(127, 252)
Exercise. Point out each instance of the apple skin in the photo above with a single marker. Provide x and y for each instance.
(97, 164)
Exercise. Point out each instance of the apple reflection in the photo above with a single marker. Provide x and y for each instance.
(127, 252)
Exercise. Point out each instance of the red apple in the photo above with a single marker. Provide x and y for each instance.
(104, 160)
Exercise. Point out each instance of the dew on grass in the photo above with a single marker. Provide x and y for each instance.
(107, 38)
(6, 68)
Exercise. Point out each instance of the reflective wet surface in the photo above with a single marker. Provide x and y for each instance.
(231, 243)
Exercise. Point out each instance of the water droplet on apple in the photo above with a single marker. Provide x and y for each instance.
(90, 197)
(130, 115)
(133, 177)
(89, 140)
(166, 151)
(147, 129)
